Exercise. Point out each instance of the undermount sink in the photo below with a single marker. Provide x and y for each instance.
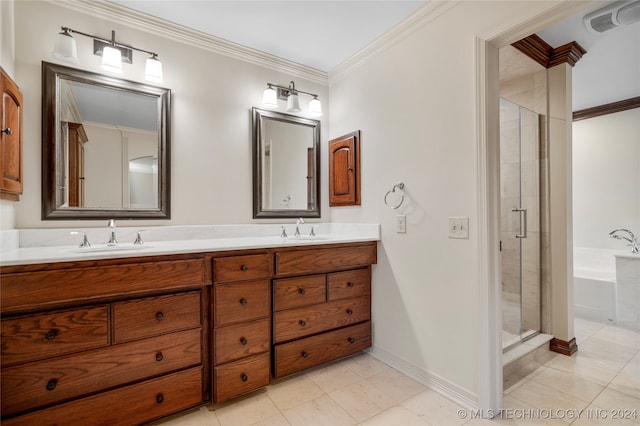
(110, 249)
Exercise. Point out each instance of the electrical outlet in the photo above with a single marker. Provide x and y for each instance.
(401, 224)
(459, 227)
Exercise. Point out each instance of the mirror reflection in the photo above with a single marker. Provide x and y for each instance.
(107, 142)
(286, 164)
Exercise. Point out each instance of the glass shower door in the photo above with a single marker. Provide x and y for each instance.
(520, 219)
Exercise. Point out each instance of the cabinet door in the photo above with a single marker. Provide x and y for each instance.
(344, 170)
(11, 146)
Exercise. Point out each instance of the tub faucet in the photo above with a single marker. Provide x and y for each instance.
(112, 233)
(635, 248)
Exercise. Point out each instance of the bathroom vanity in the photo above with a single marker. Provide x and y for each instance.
(131, 339)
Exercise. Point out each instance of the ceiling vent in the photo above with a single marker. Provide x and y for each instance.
(615, 15)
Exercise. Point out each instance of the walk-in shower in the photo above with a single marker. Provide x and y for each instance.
(520, 222)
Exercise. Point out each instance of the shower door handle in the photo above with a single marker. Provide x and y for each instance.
(522, 234)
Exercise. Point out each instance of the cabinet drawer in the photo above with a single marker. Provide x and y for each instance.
(242, 340)
(46, 382)
(129, 405)
(300, 322)
(349, 284)
(324, 259)
(44, 336)
(305, 353)
(152, 316)
(241, 376)
(300, 291)
(241, 302)
(235, 268)
(29, 290)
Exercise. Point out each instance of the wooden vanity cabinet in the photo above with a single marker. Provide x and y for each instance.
(127, 341)
(110, 342)
(241, 324)
(323, 316)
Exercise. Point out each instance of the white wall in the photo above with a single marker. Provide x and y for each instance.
(212, 96)
(606, 178)
(415, 104)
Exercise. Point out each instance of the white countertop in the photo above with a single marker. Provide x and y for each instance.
(628, 255)
(38, 246)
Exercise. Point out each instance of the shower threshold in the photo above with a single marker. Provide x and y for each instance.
(535, 340)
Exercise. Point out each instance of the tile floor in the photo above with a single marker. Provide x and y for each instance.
(601, 378)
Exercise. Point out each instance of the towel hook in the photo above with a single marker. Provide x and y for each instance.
(400, 187)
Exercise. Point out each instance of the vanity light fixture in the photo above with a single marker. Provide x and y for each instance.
(273, 92)
(113, 53)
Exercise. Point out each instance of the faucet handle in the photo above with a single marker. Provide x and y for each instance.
(284, 232)
(138, 241)
(85, 240)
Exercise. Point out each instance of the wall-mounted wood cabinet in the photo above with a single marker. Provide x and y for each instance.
(344, 170)
(11, 139)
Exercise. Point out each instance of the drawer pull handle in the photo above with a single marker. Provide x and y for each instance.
(244, 377)
(51, 335)
(51, 385)
(8, 131)
(304, 354)
(349, 311)
(243, 341)
(159, 398)
(302, 323)
(352, 340)
(301, 291)
(159, 316)
(349, 284)
(244, 268)
(243, 302)
(159, 356)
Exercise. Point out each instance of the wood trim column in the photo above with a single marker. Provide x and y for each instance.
(563, 347)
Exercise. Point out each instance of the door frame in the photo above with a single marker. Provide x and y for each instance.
(489, 338)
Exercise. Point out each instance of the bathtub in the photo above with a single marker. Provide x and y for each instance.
(594, 284)
(628, 290)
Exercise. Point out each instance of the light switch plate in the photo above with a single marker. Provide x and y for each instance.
(401, 224)
(459, 227)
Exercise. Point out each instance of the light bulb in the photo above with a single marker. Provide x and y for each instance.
(111, 60)
(293, 103)
(153, 70)
(269, 98)
(315, 108)
(65, 47)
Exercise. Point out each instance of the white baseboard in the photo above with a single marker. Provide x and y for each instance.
(433, 381)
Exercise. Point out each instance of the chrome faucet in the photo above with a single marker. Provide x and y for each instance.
(112, 233)
(299, 222)
(629, 237)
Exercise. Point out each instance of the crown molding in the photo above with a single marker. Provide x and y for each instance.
(122, 15)
(605, 109)
(415, 21)
(541, 52)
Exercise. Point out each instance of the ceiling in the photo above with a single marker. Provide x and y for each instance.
(609, 71)
(320, 34)
(323, 33)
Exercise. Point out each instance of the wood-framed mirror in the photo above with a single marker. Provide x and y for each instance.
(105, 146)
(286, 165)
